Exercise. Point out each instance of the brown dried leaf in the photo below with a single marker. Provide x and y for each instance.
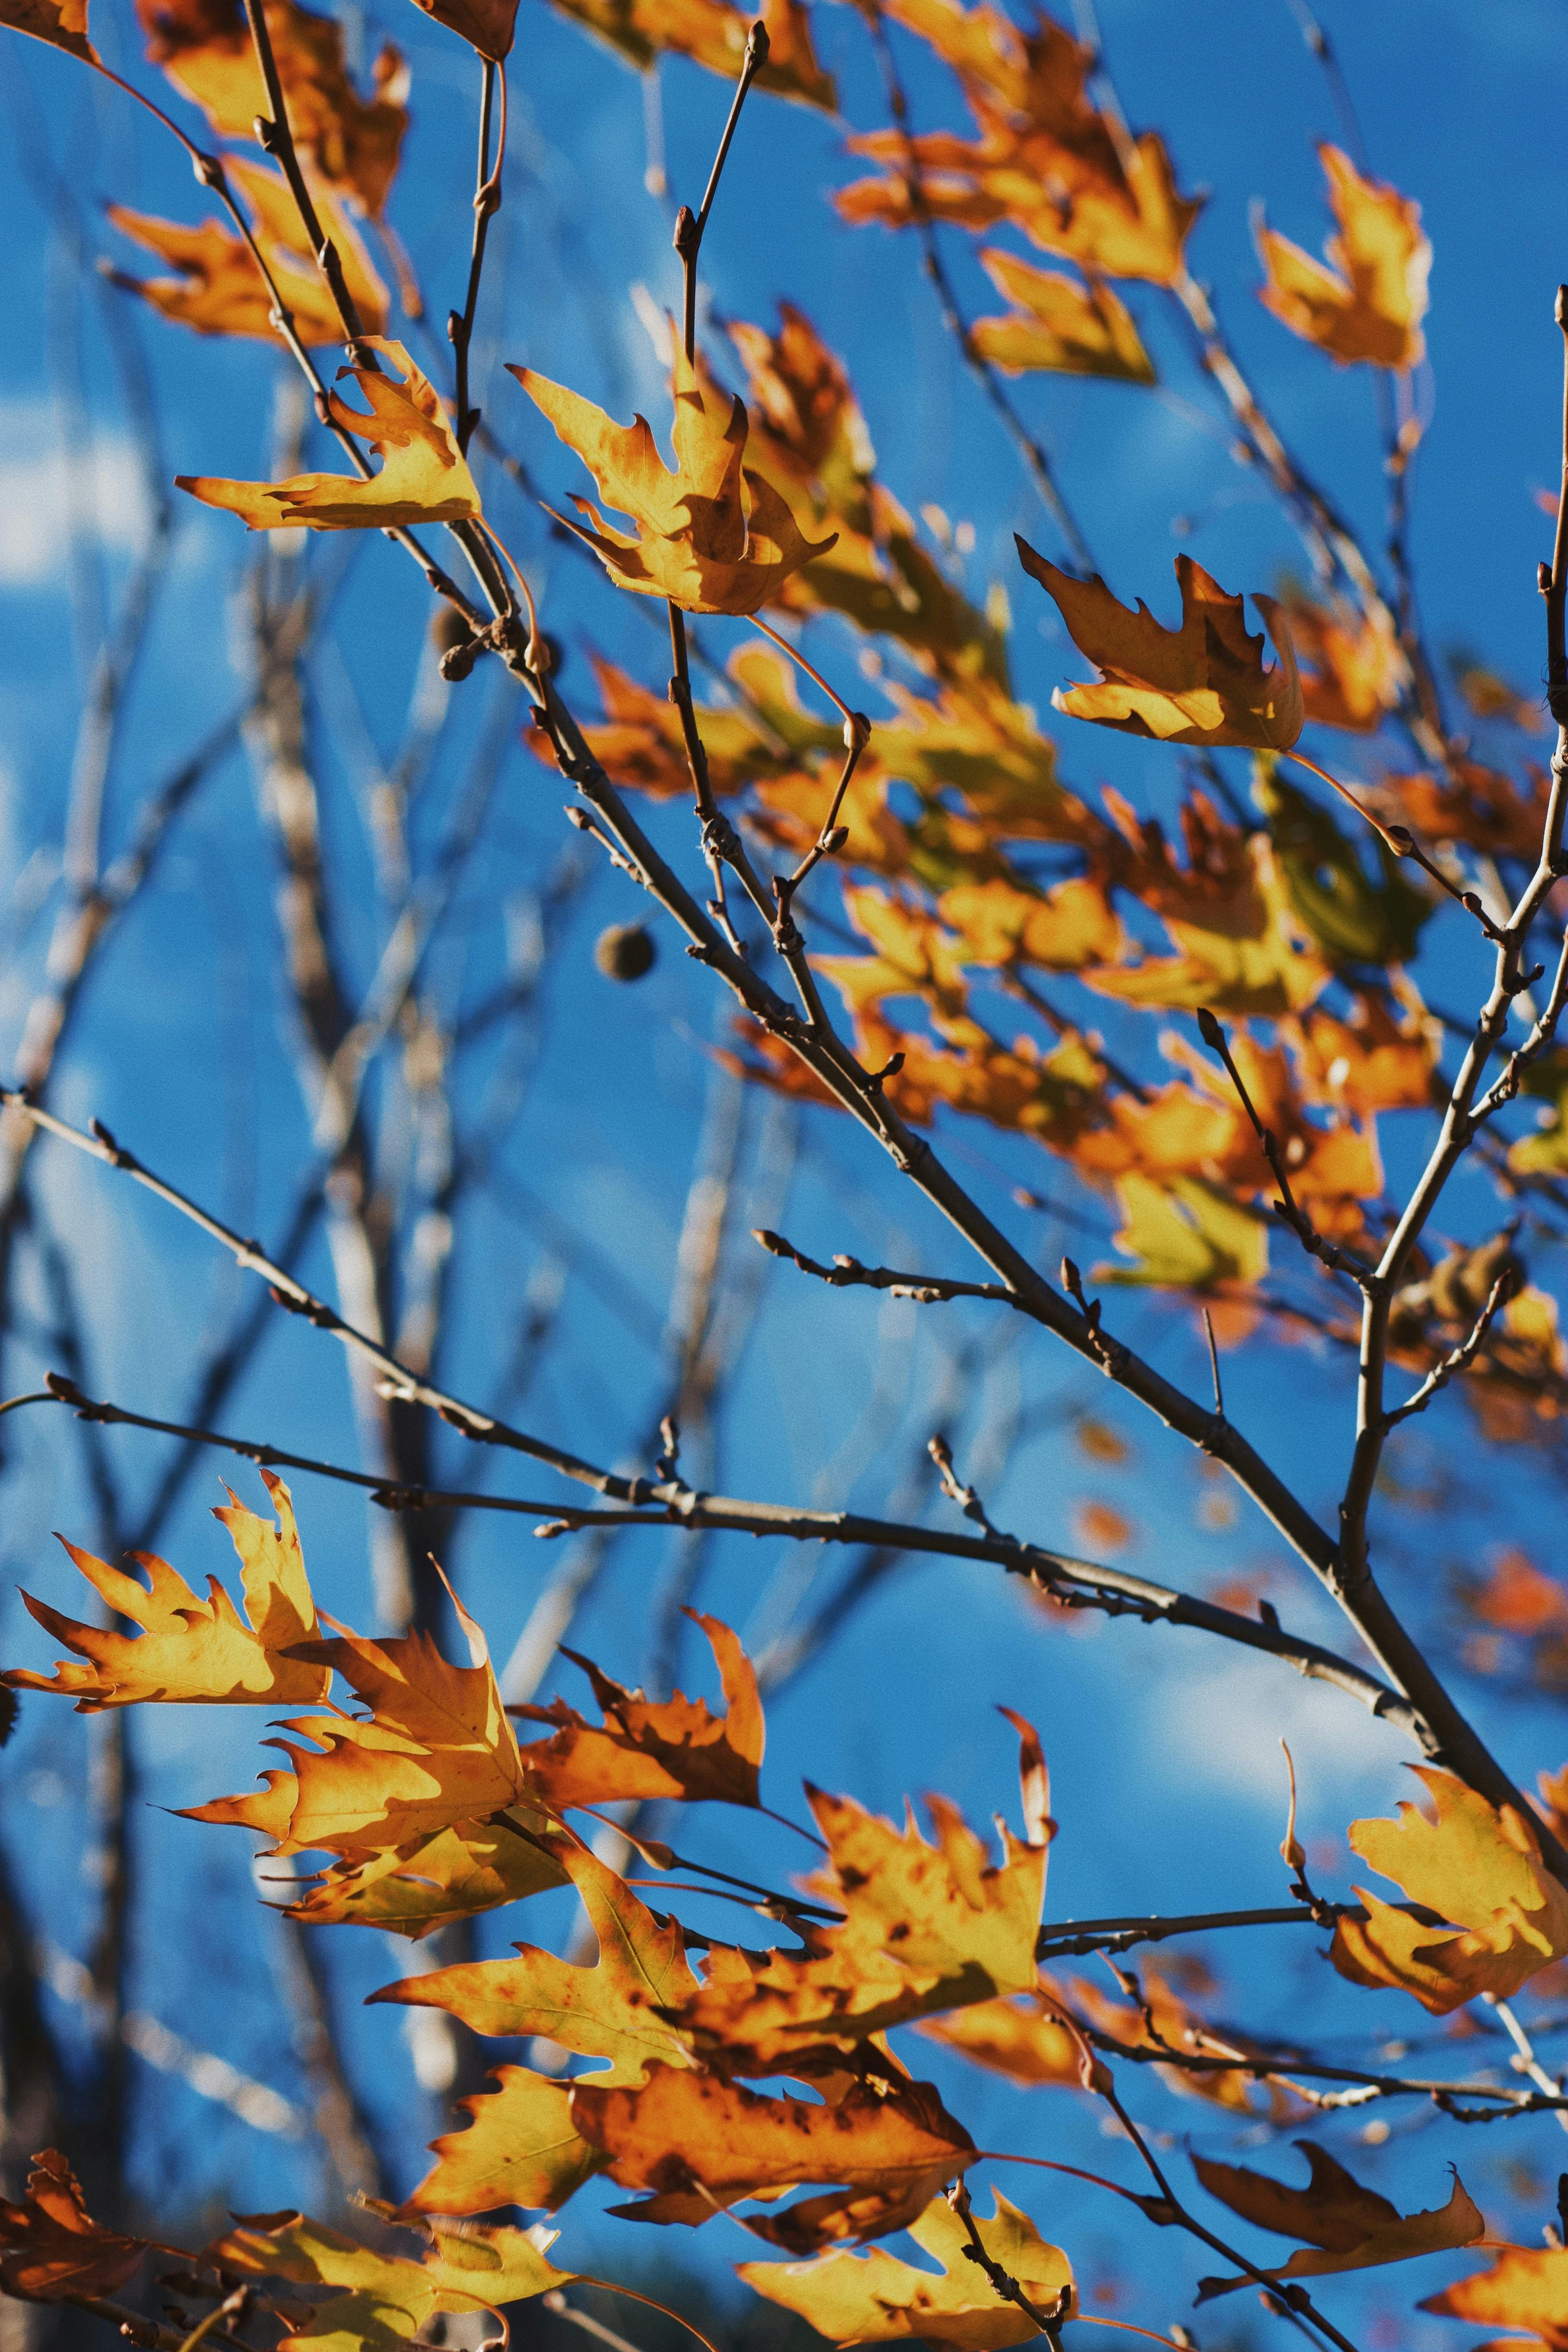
(1346, 2227)
(51, 2247)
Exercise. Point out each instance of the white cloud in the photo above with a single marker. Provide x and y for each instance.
(46, 496)
(1227, 1727)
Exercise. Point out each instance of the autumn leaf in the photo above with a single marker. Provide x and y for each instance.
(436, 1750)
(1352, 668)
(652, 1747)
(1526, 2287)
(51, 2248)
(1379, 1058)
(874, 2298)
(927, 1926)
(424, 477)
(1352, 919)
(1057, 326)
(1475, 805)
(1369, 302)
(1345, 2226)
(700, 2144)
(520, 2148)
(487, 26)
(189, 1649)
(352, 143)
(430, 1883)
(1472, 1862)
(62, 23)
(1076, 184)
(1203, 682)
(712, 536)
(713, 34)
(999, 922)
(1185, 1235)
(1029, 2038)
(916, 956)
(220, 291)
(385, 2300)
(1156, 2016)
(615, 2010)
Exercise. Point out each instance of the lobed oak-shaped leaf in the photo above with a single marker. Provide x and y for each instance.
(1526, 2287)
(1345, 2226)
(652, 1747)
(50, 2246)
(1473, 1862)
(382, 2301)
(522, 2148)
(927, 1926)
(352, 143)
(712, 536)
(432, 1882)
(219, 290)
(189, 1649)
(615, 2010)
(436, 1750)
(1369, 302)
(424, 477)
(874, 2298)
(62, 23)
(1202, 683)
(699, 2146)
(713, 34)
(1029, 2038)
(1058, 326)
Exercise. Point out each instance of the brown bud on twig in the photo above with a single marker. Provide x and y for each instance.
(625, 951)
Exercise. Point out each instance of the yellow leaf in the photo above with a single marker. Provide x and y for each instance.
(713, 34)
(384, 2299)
(436, 1750)
(874, 2298)
(1369, 303)
(424, 477)
(700, 539)
(1244, 950)
(521, 2148)
(1058, 326)
(1059, 929)
(1473, 1864)
(915, 956)
(1526, 2287)
(615, 2010)
(431, 1883)
(1351, 666)
(653, 1748)
(219, 290)
(190, 1649)
(1346, 2227)
(1203, 682)
(1026, 2037)
(62, 23)
(1185, 1235)
(352, 143)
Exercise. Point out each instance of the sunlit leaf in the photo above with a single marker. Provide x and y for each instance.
(1369, 302)
(1057, 326)
(1185, 1235)
(713, 34)
(1469, 1862)
(62, 23)
(424, 477)
(1202, 683)
(712, 535)
(652, 1747)
(874, 2298)
(1526, 2287)
(191, 1649)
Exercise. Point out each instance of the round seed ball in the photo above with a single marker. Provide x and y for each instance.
(625, 951)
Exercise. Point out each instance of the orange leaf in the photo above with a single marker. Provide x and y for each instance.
(219, 290)
(436, 1749)
(1159, 2018)
(1057, 326)
(352, 143)
(700, 539)
(1352, 669)
(522, 2148)
(700, 2145)
(652, 1747)
(51, 2247)
(1059, 929)
(713, 34)
(1527, 2286)
(427, 1883)
(1370, 302)
(874, 2298)
(1472, 1862)
(1346, 2227)
(190, 1649)
(1028, 2038)
(62, 23)
(1202, 683)
(424, 478)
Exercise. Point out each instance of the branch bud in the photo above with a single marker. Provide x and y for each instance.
(1210, 1031)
